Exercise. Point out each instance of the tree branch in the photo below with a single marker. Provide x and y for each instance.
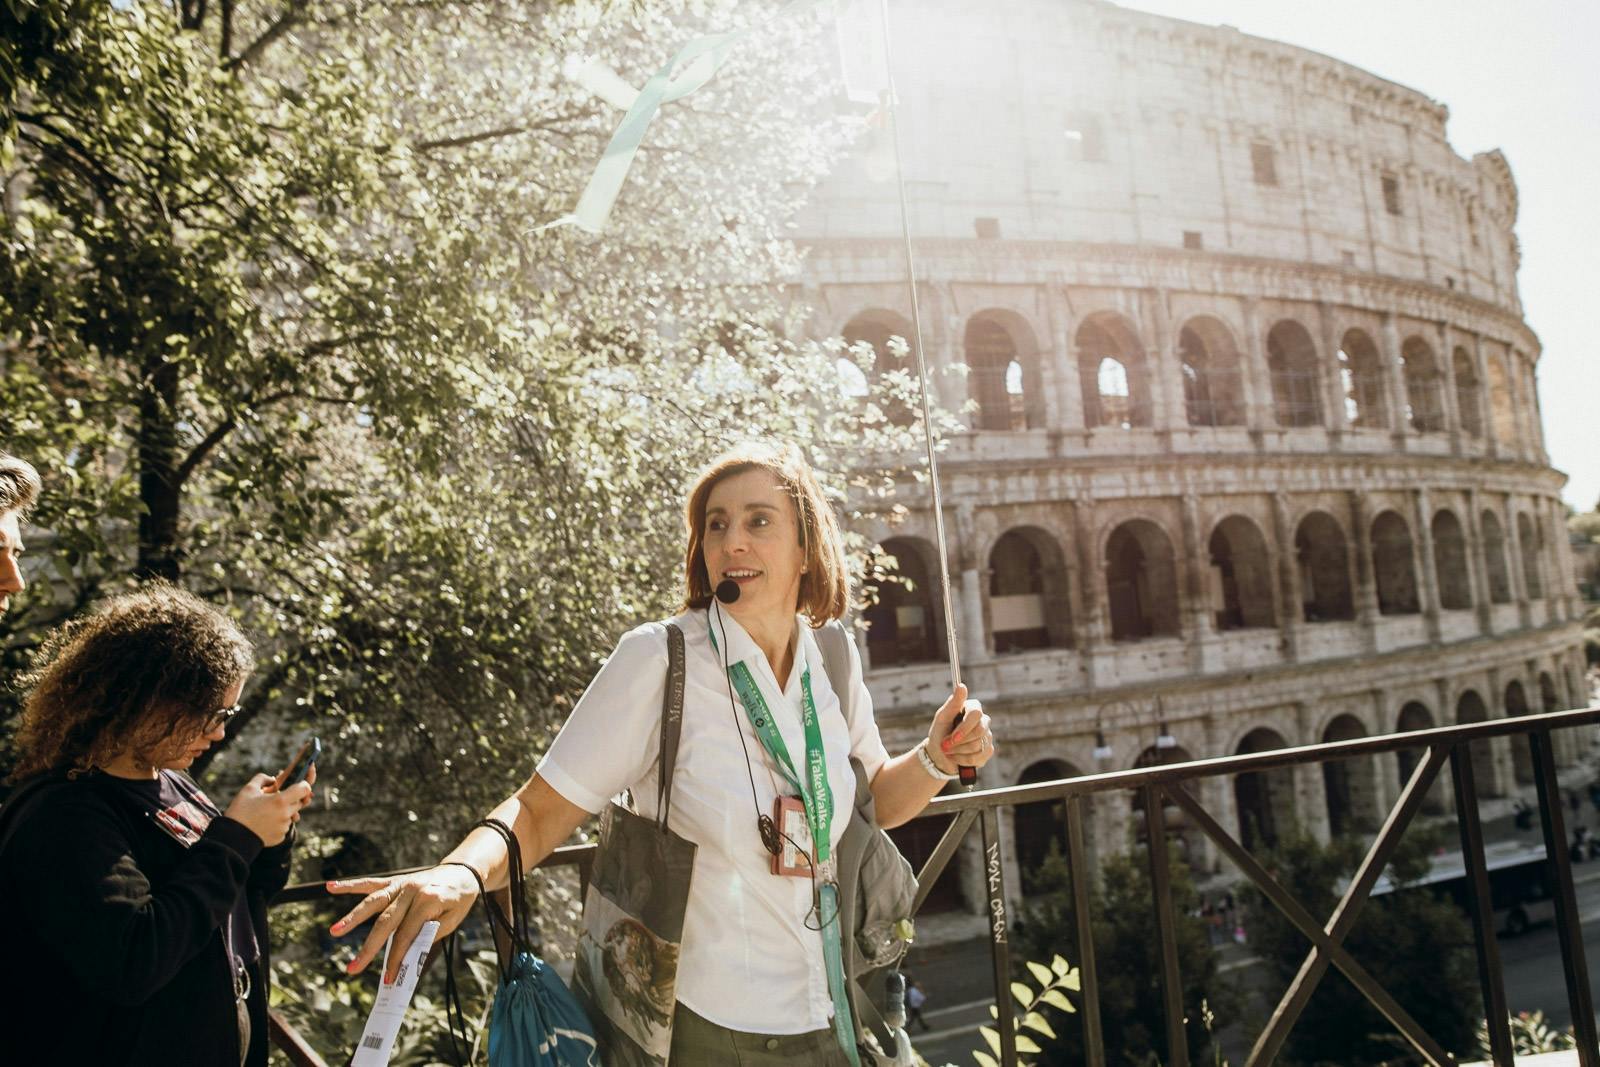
(281, 25)
(198, 454)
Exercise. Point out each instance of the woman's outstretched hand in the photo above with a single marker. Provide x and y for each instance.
(402, 904)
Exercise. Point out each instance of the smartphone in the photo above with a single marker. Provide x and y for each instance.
(301, 764)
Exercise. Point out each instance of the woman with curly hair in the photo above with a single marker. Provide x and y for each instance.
(137, 909)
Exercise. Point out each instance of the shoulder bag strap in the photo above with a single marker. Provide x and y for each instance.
(671, 723)
(834, 640)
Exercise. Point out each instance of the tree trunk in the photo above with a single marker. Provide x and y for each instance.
(158, 483)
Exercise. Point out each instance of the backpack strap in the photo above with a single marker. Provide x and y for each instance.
(671, 723)
(834, 641)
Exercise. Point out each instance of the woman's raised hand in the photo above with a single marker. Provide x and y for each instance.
(402, 904)
(967, 744)
(268, 812)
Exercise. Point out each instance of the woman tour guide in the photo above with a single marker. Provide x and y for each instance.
(136, 910)
(752, 985)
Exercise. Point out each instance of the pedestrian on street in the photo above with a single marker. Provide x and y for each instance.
(915, 999)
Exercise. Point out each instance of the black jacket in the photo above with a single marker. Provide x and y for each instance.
(115, 952)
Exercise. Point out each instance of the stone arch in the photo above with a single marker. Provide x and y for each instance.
(1213, 389)
(1113, 372)
(1296, 378)
(1141, 581)
(905, 625)
(1003, 372)
(1394, 565)
(1361, 375)
(1240, 576)
(1532, 545)
(1469, 394)
(1549, 699)
(1450, 566)
(1470, 708)
(1515, 702)
(1502, 405)
(886, 331)
(1349, 786)
(1494, 558)
(1324, 561)
(1414, 715)
(1039, 827)
(1029, 605)
(1424, 404)
(1265, 799)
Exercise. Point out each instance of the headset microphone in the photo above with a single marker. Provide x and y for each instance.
(727, 591)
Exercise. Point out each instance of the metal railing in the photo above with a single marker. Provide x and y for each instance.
(1170, 783)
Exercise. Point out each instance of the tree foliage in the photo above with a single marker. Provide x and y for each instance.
(1416, 945)
(275, 322)
(1127, 959)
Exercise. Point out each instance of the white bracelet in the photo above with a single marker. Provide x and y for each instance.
(928, 765)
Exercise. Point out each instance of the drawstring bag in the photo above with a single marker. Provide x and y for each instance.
(535, 1021)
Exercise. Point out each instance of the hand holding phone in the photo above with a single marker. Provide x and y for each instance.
(300, 766)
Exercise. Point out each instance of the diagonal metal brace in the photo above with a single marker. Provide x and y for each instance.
(1296, 913)
(941, 856)
(1270, 1044)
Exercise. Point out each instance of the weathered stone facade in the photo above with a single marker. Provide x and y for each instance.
(1255, 453)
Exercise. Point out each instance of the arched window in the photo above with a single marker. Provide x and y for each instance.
(1141, 582)
(1470, 708)
(1241, 576)
(1040, 828)
(1469, 398)
(1502, 405)
(1494, 558)
(1296, 387)
(1265, 798)
(893, 363)
(903, 626)
(1424, 407)
(1416, 716)
(1029, 605)
(1349, 785)
(1450, 562)
(1212, 393)
(1516, 703)
(1393, 565)
(1111, 372)
(998, 382)
(1532, 548)
(1324, 563)
(1361, 374)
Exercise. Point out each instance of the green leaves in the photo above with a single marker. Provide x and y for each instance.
(1051, 981)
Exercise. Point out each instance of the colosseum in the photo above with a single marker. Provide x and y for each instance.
(1254, 454)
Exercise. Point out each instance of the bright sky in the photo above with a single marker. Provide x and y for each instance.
(1523, 78)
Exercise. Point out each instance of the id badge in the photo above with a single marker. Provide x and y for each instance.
(789, 815)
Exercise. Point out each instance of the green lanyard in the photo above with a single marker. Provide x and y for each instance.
(818, 802)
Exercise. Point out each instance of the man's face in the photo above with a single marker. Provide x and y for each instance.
(10, 549)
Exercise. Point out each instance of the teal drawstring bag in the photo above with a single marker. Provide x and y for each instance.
(535, 1020)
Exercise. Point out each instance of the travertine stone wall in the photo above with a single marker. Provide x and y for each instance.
(1239, 340)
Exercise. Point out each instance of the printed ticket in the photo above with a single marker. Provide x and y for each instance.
(383, 1025)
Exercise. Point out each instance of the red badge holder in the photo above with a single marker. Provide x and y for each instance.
(789, 816)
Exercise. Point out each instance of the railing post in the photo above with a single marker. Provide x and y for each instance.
(1094, 1047)
(1569, 931)
(1481, 903)
(1166, 928)
(1000, 934)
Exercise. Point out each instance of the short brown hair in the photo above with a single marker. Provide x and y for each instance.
(143, 668)
(825, 585)
(19, 485)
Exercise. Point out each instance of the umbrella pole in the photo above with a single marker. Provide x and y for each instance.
(994, 878)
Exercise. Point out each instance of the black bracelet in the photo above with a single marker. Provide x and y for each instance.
(476, 877)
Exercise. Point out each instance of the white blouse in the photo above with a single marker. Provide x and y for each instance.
(748, 961)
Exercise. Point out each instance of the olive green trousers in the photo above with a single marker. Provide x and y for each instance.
(698, 1042)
